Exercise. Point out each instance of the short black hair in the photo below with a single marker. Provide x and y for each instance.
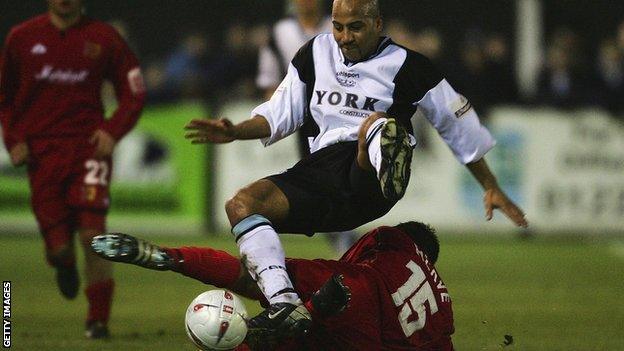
(424, 237)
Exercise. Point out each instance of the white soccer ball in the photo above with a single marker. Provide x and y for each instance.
(215, 320)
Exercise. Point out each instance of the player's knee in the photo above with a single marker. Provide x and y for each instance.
(59, 254)
(240, 206)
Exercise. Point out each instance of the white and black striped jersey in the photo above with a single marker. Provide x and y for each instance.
(286, 37)
(334, 96)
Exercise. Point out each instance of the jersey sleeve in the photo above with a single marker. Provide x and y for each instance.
(456, 122)
(11, 134)
(285, 111)
(449, 112)
(125, 74)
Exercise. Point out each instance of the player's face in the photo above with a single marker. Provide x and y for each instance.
(356, 34)
(65, 8)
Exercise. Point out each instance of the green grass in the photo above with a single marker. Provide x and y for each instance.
(549, 294)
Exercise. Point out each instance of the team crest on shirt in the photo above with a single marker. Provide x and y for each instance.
(347, 79)
(92, 50)
(90, 193)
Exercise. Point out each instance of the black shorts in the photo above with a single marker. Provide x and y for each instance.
(328, 192)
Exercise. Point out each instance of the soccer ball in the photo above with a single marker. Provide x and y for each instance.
(215, 320)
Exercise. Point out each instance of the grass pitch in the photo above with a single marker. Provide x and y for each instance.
(543, 294)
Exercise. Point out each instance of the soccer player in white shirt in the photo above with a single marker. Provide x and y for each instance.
(360, 90)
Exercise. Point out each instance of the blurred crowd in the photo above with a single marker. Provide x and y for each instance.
(573, 77)
(221, 68)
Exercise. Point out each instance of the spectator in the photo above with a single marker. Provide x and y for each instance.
(186, 66)
(430, 43)
(286, 37)
(401, 34)
(620, 36)
(560, 84)
(500, 75)
(610, 76)
(231, 74)
(470, 75)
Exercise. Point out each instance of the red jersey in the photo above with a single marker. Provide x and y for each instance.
(51, 81)
(415, 305)
(398, 301)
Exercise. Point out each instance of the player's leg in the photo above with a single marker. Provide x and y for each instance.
(251, 213)
(339, 241)
(384, 146)
(60, 254)
(125, 248)
(88, 196)
(46, 172)
(207, 265)
(98, 276)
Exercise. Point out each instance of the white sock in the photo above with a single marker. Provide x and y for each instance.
(263, 255)
(373, 140)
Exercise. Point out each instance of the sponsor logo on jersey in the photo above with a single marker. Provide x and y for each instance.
(65, 76)
(351, 113)
(346, 100)
(347, 79)
(38, 49)
(92, 50)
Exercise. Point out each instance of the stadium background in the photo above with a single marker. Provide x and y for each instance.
(595, 18)
(550, 292)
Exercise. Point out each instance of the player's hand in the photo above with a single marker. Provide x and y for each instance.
(496, 199)
(19, 154)
(104, 144)
(202, 131)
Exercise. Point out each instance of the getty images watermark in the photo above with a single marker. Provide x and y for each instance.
(6, 314)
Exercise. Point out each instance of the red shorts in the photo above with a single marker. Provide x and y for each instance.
(69, 188)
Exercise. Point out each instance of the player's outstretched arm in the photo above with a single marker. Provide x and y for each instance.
(494, 197)
(221, 131)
